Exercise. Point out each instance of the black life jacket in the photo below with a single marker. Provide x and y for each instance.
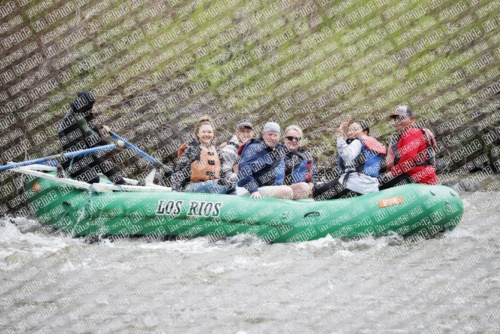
(290, 166)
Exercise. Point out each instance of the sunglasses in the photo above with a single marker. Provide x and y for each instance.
(399, 118)
(291, 138)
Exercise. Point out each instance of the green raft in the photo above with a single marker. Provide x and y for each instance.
(410, 210)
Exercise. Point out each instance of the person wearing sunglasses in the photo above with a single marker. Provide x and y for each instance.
(410, 156)
(299, 165)
(261, 171)
(360, 156)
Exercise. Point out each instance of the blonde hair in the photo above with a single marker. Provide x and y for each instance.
(296, 128)
(204, 120)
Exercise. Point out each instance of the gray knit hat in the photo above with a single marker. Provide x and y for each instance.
(271, 126)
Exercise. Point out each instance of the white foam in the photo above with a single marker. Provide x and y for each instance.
(34, 243)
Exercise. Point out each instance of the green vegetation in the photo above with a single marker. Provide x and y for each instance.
(169, 62)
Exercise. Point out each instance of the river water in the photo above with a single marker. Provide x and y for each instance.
(449, 284)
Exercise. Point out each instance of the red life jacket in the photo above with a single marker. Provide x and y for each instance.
(393, 154)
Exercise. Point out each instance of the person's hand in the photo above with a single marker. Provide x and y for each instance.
(120, 143)
(340, 130)
(255, 195)
(105, 127)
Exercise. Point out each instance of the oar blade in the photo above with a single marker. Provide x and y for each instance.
(150, 178)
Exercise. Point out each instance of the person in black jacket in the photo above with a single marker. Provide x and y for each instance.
(78, 132)
(300, 173)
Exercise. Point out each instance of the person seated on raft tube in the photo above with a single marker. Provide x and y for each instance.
(200, 164)
(244, 132)
(410, 158)
(300, 174)
(261, 171)
(77, 131)
(359, 161)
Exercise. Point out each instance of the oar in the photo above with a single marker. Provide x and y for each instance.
(136, 149)
(156, 163)
(52, 157)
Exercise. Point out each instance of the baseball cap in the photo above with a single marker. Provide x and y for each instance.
(244, 123)
(402, 111)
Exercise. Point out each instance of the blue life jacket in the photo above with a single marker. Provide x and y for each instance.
(367, 162)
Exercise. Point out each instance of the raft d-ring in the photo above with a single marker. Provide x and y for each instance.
(452, 193)
(312, 213)
(433, 193)
(92, 190)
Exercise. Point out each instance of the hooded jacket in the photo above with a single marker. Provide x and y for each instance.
(76, 130)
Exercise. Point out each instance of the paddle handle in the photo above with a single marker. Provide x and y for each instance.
(56, 156)
(136, 149)
(90, 150)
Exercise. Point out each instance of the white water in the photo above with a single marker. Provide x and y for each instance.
(55, 284)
